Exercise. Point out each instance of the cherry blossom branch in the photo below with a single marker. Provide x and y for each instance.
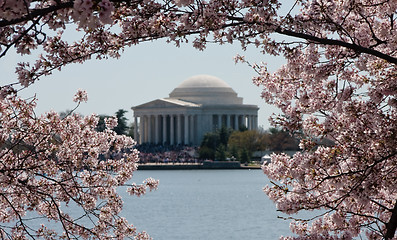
(16, 212)
(335, 42)
(36, 13)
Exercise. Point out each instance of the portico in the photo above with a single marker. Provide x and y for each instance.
(194, 108)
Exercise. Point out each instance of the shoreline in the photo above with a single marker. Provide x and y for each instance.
(198, 166)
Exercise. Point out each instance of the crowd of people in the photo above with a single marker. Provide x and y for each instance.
(160, 154)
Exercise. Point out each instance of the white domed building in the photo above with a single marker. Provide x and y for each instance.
(199, 105)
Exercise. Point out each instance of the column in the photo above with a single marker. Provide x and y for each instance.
(164, 129)
(149, 136)
(186, 140)
(141, 127)
(191, 129)
(172, 130)
(228, 120)
(136, 129)
(219, 121)
(156, 129)
(144, 129)
(178, 128)
(236, 122)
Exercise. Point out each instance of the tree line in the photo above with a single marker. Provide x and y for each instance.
(226, 143)
(122, 127)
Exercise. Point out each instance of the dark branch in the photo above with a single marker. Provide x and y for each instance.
(324, 41)
(335, 42)
(391, 226)
(36, 13)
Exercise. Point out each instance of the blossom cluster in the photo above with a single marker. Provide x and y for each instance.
(332, 92)
(49, 164)
(109, 26)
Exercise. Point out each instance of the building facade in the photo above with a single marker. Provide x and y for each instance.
(199, 105)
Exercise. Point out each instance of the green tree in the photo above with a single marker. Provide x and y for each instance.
(122, 125)
(209, 145)
(220, 154)
(206, 153)
(212, 141)
(249, 140)
(224, 134)
(245, 156)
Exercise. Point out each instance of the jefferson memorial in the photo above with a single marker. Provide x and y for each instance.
(200, 104)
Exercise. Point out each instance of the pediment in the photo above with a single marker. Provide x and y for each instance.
(166, 103)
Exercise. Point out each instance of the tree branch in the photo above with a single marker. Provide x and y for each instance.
(335, 42)
(391, 226)
(36, 13)
(324, 41)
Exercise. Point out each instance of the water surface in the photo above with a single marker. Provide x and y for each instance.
(206, 204)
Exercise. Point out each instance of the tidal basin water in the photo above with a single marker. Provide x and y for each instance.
(205, 204)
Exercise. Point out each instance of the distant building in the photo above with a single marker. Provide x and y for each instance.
(199, 105)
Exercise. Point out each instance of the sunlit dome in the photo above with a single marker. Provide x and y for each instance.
(206, 89)
(203, 81)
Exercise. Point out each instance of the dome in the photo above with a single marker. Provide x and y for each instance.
(203, 81)
(206, 89)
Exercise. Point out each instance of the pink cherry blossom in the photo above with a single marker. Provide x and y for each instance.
(111, 122)
(80, 96)
(337, 91)
(63, 161)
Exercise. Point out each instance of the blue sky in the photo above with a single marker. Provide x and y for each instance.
(145, 72)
